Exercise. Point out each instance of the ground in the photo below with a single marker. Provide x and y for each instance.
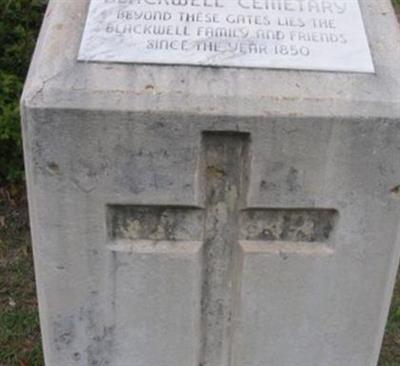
(19, 324)
(390, 355)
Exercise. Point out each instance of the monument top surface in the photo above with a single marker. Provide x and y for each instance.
(355, 75)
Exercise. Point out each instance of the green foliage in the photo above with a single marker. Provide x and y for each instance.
(19, 25)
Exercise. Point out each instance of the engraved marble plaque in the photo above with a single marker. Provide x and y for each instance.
(326, 35)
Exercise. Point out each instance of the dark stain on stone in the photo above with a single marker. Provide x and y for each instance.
(214, 172)
(292, 180)
(395, 191)
(267, 186)
(99, 352)
(293, 225)
(64, 333)
(53, 168)
(284, 256)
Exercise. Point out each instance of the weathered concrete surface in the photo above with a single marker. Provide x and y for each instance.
(118, 155)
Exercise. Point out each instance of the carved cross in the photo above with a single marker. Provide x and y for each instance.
(222, 224)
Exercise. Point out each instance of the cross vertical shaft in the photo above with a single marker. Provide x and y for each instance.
(225, 156)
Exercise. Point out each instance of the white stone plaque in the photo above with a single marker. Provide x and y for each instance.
(287, 34)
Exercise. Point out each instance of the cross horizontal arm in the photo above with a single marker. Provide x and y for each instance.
(287, 225)
(154, 223)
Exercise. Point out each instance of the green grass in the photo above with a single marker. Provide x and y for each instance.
(19, 337)
(390, 354)
(20, 343)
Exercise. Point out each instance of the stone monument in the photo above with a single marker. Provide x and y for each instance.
(214, 182)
